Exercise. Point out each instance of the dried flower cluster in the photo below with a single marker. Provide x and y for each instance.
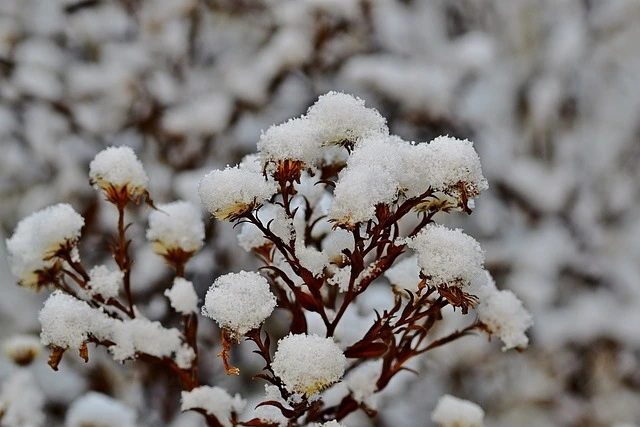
(331, 204)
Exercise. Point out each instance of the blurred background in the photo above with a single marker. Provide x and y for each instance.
(548, 90)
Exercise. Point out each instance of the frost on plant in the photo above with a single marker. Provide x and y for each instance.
(331, 204)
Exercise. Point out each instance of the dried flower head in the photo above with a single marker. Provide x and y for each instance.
(40, 241)
(118, 172)
(22, 349)
(308, 364)
(230, 193)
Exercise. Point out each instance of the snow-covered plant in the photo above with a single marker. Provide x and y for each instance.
(331, 204)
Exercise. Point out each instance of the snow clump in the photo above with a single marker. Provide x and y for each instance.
(239, 302)
(308, 363)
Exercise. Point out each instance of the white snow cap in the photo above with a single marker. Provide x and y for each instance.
(233, 191)
(335, 118)
(118, 167)
(453, 412)
(105, 282)
(239, 302)
(183, 296)
(67, 322)
(448, 256)
(176, 225)
(38, 236)
(503, 314)
(308, 363)
(297, 139)
(341, 118)
(99, 410)
(215, 401)
(358, 191)
(453, 161)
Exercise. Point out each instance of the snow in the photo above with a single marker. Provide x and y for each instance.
(343, 119)
(308, 363)
(118, 167)
(232, 192)
(448, 257)
(296, 139)
(362, 382)
(37, 238)
(176, 225)
(105, 282)
(99, 409)
(239, 302)
(215, 401)
(405, 274)
(503, 314)
(453, 161)
(312, 259)
(67, 322)
(183, 296)
(358, 191)
(451, 411)
(21, 401)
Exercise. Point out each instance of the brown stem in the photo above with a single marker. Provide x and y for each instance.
(122, 258)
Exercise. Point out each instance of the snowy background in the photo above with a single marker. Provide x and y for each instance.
(549, 91)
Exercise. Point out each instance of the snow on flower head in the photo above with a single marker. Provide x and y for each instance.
(182, 296)
(450, 260)
(37, 240)
(343, 119)
(176, 227)
(455, 167)
(308, 363)
(22, 349)
(295, 140)
(502, 314)
(97, 409)
(232, 192)
(67, 321)
(214, 401)
(105, 282)
(239, 302)
(448, 257)
(118, 172)
(453, 412)
(358, 191)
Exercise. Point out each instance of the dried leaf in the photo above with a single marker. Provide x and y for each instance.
(55, 357)
(366, 350)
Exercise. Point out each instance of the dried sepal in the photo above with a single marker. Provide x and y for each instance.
(55, 357)
(84, 352)
(227, 339)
